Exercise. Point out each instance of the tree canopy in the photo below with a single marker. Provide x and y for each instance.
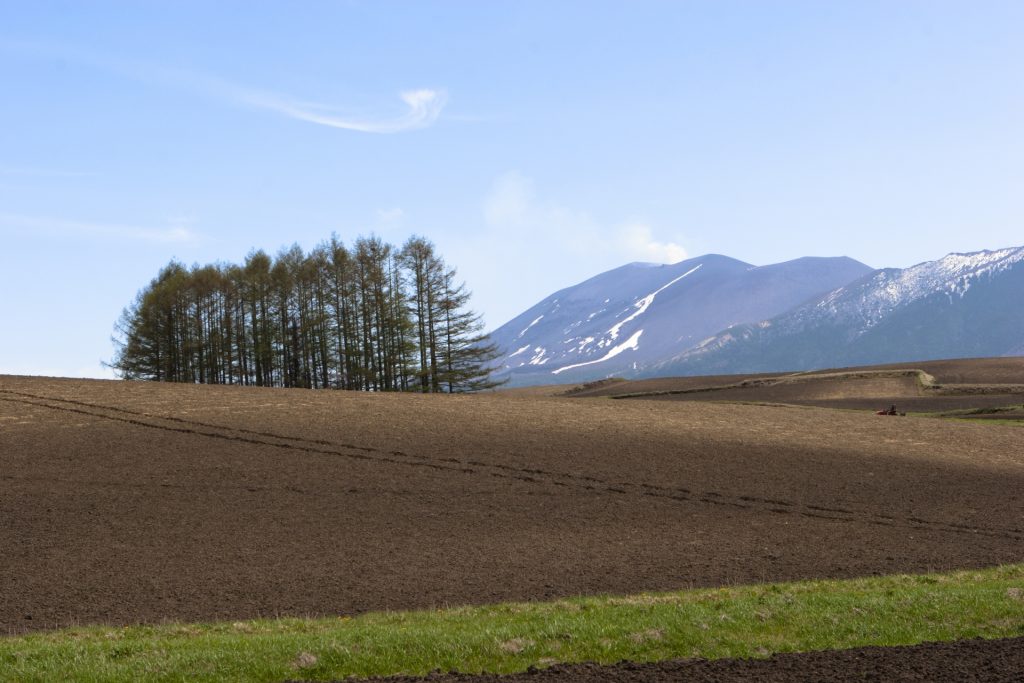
(369, 317)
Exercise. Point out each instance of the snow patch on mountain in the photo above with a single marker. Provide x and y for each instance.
(643, 304)
(631, 343)
(527, 329)
(519, 351)
(538, 358)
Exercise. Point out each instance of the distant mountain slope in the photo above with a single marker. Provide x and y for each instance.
(641, 314)
(963, 305)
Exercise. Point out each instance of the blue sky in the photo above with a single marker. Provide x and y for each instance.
(536, 143)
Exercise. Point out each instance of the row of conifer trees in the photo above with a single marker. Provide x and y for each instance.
(368, 317)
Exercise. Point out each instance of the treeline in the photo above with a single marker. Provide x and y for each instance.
(368, 317)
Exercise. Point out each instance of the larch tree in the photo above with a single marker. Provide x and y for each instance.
(372, 317)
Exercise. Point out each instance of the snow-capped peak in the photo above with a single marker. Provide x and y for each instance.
(953, 275)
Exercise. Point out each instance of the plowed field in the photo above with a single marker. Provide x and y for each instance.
(958, 385)
(136, 502)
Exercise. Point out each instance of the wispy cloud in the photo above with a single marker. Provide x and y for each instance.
(422, 109)
(422, 106)
(638, 239)
(172, 234)
(512, 207)
(545, 245)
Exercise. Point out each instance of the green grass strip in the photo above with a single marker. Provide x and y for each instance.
(744, 621)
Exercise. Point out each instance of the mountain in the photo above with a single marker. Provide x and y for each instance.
(963, 305)
(632, 318)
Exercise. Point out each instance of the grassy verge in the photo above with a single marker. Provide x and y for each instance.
(745, 621)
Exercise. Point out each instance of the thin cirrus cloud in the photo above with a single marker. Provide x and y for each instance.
(173, 234)
(422, 106)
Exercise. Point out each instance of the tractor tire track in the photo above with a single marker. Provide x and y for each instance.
(527, 475)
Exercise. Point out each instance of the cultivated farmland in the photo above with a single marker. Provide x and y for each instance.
(136, 502)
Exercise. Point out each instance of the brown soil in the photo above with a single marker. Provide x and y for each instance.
(960, 385)
(137, 502)
(1008, 370)
(658, 384)
(968, 661)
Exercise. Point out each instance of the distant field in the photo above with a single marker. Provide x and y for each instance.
(977, 384)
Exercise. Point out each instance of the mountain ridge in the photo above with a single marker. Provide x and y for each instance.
(716, 314)
(640, 313)
(958, 306)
